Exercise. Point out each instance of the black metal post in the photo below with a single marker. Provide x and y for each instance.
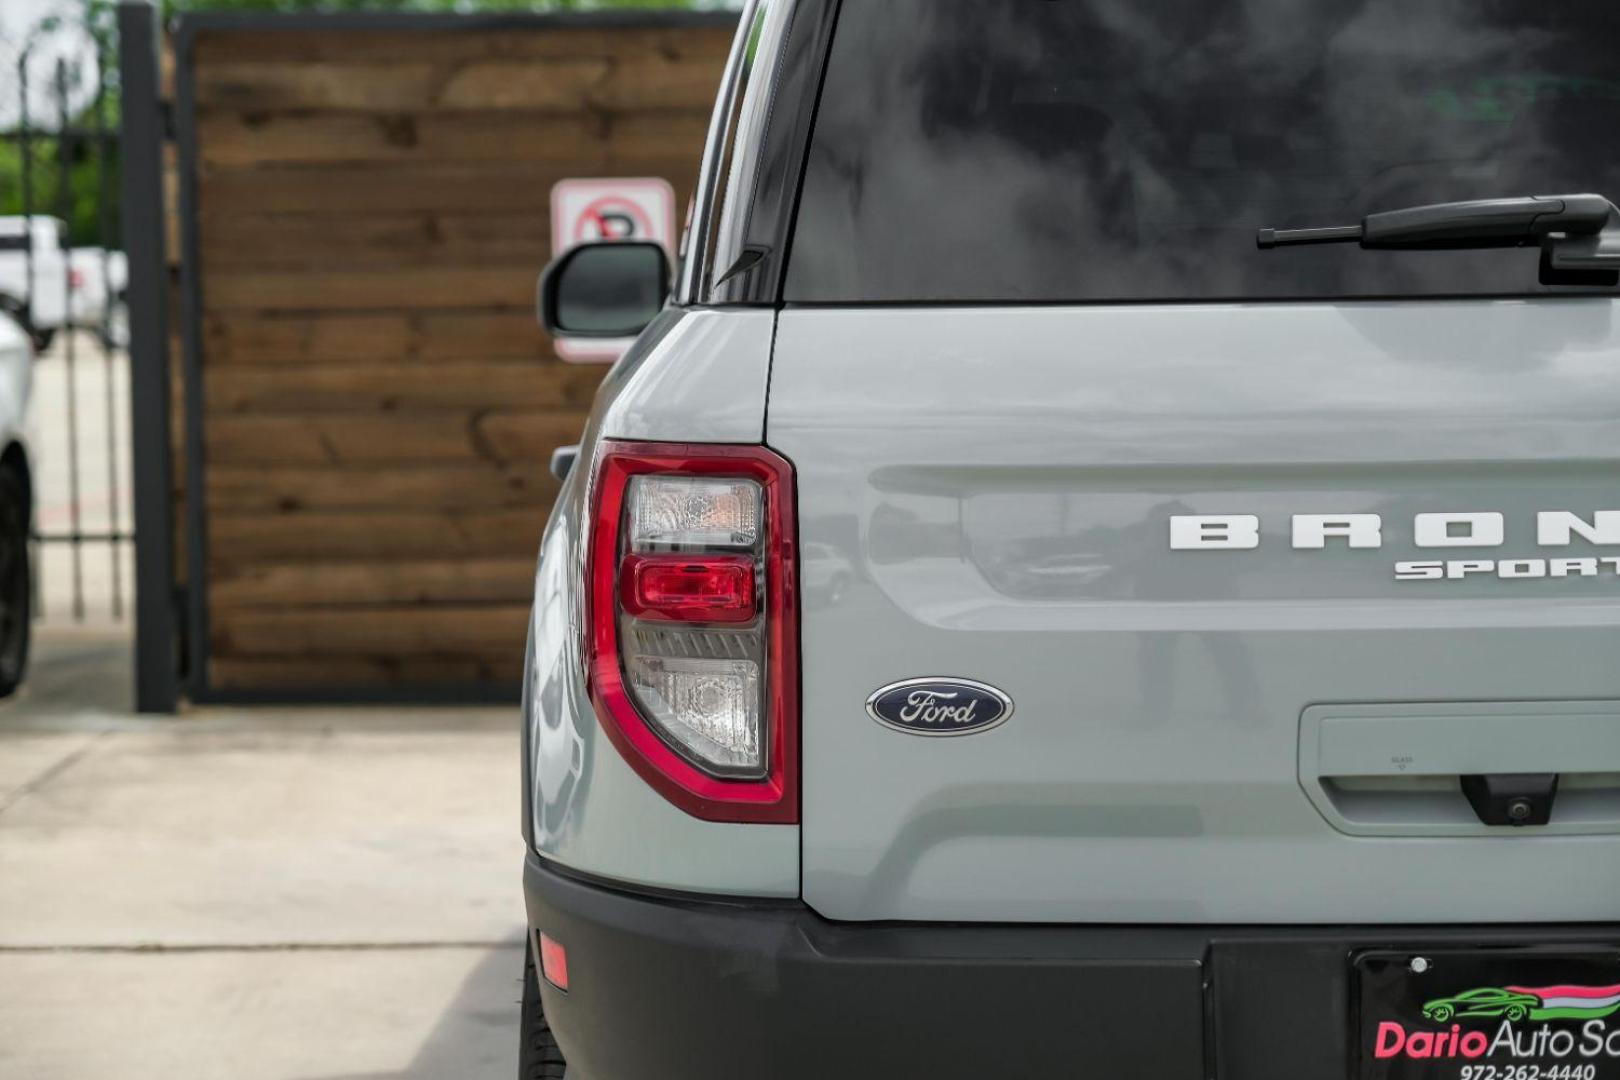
(25, 154)
(66, 145)
(196, 634)
(156, 646)
(106, 242)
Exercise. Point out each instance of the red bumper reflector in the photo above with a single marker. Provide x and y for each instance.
(688, 588)
(553, 962)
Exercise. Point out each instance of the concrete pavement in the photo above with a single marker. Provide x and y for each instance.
(253, 893)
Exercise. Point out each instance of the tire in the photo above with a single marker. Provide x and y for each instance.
(539, 1057)
(1443, 1013)
(42, 340)
(16, 582)
(1516, 1013)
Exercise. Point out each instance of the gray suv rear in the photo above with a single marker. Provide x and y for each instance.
(1104, 561)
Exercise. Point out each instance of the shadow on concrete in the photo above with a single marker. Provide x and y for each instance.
(80, 673)
(477, 1036)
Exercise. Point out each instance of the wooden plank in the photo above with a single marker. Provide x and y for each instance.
(326, 585)
(494, 436)
(612, 141)
(363, 241)
(381, 188)
(379, 406)
(403, 532)
(571, 84)
(348, 672)
(450, 386)
(522, 436)
(482, 630)
(443, 487)
(389, 85)
(172, 235)
(542, 43)
(238, 337)
(648, 81)
(509, 286)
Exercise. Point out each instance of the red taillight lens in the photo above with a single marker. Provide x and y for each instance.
(693, 622)
(678, 588)
(75, 279)
(553, 962)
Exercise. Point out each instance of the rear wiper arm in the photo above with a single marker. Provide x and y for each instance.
(1579, 234)
(1478, 223)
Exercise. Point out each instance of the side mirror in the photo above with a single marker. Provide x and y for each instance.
(604, 289)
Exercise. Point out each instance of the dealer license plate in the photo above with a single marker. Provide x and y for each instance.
(1488, 1014)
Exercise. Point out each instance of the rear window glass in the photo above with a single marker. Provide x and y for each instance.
(1119, 150)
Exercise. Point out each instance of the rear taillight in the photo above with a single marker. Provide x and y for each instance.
(75, 279)
(693, 635)
(689, 589)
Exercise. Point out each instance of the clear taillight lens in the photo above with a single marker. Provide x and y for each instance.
(694, 624)
(711, 708)
(691, 513)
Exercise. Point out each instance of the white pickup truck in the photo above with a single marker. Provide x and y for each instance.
(79, 287)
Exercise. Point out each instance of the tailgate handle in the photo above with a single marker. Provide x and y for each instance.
(1464, 768)
(1512, 799)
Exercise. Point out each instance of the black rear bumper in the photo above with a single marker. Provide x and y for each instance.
(674, 989)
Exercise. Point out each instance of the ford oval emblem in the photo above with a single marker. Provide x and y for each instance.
(940, 706)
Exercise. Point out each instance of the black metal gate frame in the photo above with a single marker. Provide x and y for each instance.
(148, 359)
(68, 137)
(157, 674)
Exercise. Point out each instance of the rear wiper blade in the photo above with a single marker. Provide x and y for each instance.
(1579, 234)
(1477, 223)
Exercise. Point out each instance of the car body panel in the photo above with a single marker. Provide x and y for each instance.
(16, 380)
(694, 376)
(955, 464)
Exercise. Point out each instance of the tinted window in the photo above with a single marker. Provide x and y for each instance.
(731, 158)
(764, 41)
(1074, 150)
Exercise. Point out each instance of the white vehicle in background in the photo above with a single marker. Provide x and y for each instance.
(80, 287)
(16, 503)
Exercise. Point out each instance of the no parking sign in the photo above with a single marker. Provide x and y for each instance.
(629, 208)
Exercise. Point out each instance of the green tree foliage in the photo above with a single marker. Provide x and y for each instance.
(79, 200)
(65, 157)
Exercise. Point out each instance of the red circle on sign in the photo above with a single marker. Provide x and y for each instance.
(608, 208)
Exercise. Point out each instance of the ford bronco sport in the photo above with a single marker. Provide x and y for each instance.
(1105, 563)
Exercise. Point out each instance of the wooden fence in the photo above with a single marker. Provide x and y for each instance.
(373, 402)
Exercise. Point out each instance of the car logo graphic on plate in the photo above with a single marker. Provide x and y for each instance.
(939, 706)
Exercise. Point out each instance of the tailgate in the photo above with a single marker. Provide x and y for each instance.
(988, 494)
